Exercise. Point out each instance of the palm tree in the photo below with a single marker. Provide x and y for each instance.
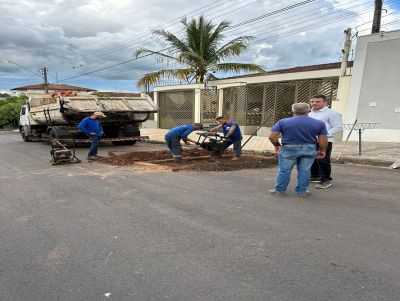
(198, 52)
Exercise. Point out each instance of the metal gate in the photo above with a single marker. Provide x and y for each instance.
(176, 108)
(209, 105)
(255, 103)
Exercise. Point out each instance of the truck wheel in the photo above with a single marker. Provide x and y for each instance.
(124, 142)
(24, 135)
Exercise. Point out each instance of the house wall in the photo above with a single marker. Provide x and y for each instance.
(374, 95)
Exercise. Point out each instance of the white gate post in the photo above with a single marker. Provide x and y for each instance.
(220, 102)
(156, 119)
(197, 105)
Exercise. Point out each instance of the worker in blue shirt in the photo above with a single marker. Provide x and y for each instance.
(231, 131)
(174, 136)
(91, 126)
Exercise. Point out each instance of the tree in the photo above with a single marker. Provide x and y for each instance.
(199, 52)
(10, 108)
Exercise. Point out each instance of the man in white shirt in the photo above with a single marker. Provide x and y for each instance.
(321, 168)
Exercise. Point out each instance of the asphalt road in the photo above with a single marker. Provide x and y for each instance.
(95, 232)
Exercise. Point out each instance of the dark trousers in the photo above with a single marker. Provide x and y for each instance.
(237, 148)
(321, 168)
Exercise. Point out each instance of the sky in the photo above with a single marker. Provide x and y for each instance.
(74, 37)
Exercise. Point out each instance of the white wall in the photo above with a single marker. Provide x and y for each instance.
(375, 87)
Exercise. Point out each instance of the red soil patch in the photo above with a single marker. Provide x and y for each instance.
(194, 160)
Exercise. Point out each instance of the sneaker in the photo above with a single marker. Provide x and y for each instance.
(315, 180)
(273, 192)
(323, 184)
(91, 158)
(235, 158)
(306, 193)
(178, 160)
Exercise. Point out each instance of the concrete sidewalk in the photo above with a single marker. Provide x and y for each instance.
(379, 153)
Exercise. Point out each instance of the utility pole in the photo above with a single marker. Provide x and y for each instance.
(376, 24)
(346, 51)
(44, 73)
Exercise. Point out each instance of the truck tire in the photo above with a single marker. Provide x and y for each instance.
(124, 142)
(23, 131)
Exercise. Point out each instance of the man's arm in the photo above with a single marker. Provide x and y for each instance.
(336, 123)
(230, 132)
(185, 135)
(101, 130)
(274, 138)
(82, 126)
(323, 144)
(216, 129)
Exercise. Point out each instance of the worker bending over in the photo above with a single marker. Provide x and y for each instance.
(174, 136)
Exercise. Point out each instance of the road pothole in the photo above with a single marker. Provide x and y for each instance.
(194, 160)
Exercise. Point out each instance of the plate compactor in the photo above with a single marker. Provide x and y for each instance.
(60, 154)
(215, 143)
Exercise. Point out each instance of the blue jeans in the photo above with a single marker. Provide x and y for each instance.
(95, 144)
(303, 156)
(174, 145)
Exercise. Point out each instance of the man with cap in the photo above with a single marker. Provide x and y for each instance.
(231, 131)
(91, 126)
(174, 136)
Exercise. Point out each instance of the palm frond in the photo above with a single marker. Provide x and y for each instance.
(190, 58)
(153, 78)
(177, 44)
(238, 67)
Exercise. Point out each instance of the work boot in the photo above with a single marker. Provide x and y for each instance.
(178, 160)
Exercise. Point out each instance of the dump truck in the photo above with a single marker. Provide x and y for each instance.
(56, 116)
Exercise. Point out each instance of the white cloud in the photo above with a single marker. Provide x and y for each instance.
(77, 36)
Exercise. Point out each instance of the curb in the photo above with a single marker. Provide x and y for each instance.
(364, 161)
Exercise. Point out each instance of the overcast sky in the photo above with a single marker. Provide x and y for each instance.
(72, 37)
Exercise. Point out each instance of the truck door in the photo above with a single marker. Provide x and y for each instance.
(23, 116)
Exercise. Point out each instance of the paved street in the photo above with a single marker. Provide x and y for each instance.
(95, 232)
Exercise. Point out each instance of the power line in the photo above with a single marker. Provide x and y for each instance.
(258, 18)
(304, 20)
(242, 23)
(305, 15)
(141, 41)
(140, 35)
(312, 26)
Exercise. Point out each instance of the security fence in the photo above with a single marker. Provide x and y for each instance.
(254, 104)
(249, 105)
(176, 108)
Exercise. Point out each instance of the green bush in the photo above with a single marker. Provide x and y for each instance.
(10, 108)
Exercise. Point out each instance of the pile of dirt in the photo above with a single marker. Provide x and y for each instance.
(194, 160)
(133, 157)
